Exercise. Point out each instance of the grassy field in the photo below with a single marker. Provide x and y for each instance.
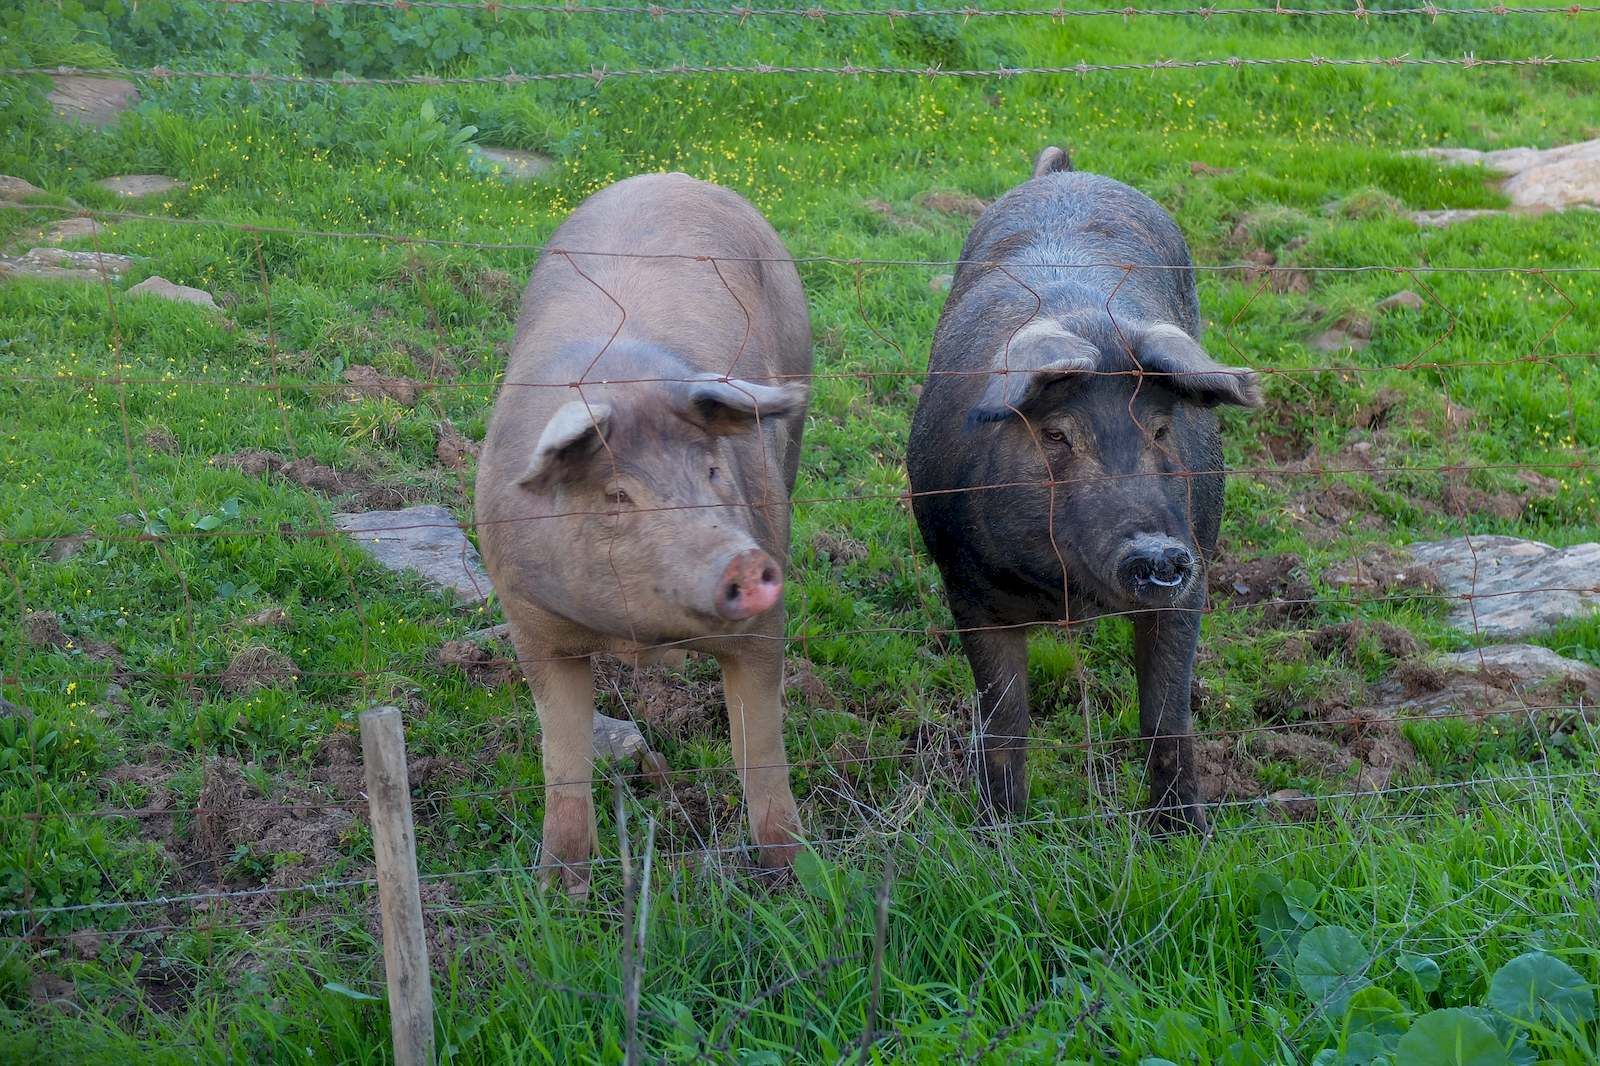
(179, 670)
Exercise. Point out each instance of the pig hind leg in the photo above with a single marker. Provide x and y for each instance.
(752, 678)
(563, 693)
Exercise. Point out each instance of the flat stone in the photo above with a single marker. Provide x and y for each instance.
(60, 263)
(1496, 679)
(1453, 216)
(156, 285)
(425, 540)
(615, 738)
(14, 189)
(1556, 186)
(92, 101)
(509, 164)
(489, 634)
(134, 186)
(1515, 160)
(1338, 340)
(71, 229)
(1518, 586)
(1404, 298)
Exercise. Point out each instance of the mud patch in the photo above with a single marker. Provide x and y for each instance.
(43, 630)
(1463, 501)
(357, 491)
(481, 666)
(160, 439)
(681, 703)
(953, 203)
(1345, 639)
(455, 450)
(1275, 583)
(801, 676)
(366, 383)
(256, 668)
(242, 836)
(838, 548)
(1383, 570)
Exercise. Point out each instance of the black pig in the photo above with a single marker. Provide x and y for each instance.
(1065, 460)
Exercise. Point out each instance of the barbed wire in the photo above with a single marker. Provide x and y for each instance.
(817, 13)
(600, 74)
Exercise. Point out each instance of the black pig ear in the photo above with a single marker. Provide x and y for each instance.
(1185, 368)
(1051, 160)
(1035, 357)
(724, 406)
(574, 433)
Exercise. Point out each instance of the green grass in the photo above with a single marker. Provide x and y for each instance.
(1071, 936)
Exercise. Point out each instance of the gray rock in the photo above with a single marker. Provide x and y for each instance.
(60, 263)
(1441, 219)
(92, 101)
(425, 539)
(156, 285)
(1548, 179)
(134, 186)
(1338, 340)
(509, 164)
(1556, 186)
(615, 738)
(71, 229)
(1496, 679)
(1404, 298)
(16, 189)
(1518, 586)
(489, 634)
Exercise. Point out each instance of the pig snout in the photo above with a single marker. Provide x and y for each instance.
(750, 584)
(1156, 569)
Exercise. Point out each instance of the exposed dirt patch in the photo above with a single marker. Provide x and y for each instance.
(886, 211)
(1276, 583)
(499, 290)
(455, 450)
(1345, 639)
(840, 549)
(356, 490)
(63, 548)
(1206, 170)
(1463, 501)
(292, 836)
(682, 703)
(270, 618)
(801, 677)
(52, 991)
(1376, 413)
(953, 203)
(1383, 570)
(481, 666)
(367, 383)
(43, 629)
(256, 668)
(160, 439)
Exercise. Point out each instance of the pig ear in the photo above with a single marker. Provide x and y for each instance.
(1187, 370)
(1050, 161)
(1035, 357)
(724, 406)
(574, 433)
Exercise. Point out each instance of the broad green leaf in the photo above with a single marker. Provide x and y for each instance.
(1301, 898)
(1276, 925)
(349, 993)
(1331, 966)
(812, 874)
(1376, 1011)
(1423, 970)
(1451, 1037)
(1537, 987)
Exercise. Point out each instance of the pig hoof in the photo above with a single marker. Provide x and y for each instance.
(1179, 818)
(571, 878)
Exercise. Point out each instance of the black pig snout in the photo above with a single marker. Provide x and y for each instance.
(1156, 568)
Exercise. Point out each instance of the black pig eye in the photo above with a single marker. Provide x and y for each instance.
(618, 496)
(1055, 436)
(712, 474)
(1161, 432)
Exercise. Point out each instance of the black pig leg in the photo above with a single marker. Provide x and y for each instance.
(1163, 657)
(999, 661)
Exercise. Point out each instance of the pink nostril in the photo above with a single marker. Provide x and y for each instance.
(751, 584)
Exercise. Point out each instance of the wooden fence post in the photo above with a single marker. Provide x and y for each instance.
(394, 845)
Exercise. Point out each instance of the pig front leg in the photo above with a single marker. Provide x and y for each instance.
(999, 659)
(563, 694)
(1164, 645)
(752, 679)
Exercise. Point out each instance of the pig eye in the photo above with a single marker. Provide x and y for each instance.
(1055, 436)
(618, 496)
(1161, 432)
(712, 474)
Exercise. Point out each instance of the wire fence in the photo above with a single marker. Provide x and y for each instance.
(954, 759)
